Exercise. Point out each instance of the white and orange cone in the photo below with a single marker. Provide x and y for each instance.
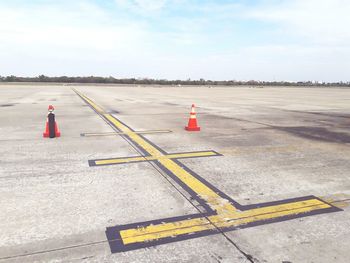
(192, 122)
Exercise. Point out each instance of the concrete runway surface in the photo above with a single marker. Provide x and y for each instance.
(267, 179)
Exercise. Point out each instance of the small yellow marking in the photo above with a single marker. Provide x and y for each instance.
(121, 133)
(153, 158)
(226, 213)
(341, 204)
(340, 200)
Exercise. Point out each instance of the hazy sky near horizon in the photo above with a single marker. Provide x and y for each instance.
(177, 39)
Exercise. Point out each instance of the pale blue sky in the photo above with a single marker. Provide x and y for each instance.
(177, 39)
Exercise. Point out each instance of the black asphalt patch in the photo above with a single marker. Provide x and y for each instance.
(317, 133)
(113, 112)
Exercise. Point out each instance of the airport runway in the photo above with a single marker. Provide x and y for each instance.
(265, 180)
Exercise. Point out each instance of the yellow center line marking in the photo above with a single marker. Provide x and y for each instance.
(223, 212)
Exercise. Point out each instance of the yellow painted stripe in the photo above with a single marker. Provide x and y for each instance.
(259, 217)
(189, 155)
(154, 232)
(150, 233)
(267, 211)
(153, 158)
(120, 161)
(270, 211)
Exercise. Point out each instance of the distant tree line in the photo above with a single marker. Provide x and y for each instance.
(147, 81)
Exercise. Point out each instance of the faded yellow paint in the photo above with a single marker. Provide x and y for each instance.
(227, 214)
(340, 200)
(153, 232)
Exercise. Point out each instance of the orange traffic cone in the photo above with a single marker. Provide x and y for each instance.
(46, 132)
(57, 131)
(192, 122)
(51, 127)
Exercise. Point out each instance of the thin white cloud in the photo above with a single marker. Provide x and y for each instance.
(50, 29)
(142, 5)
(317, 21)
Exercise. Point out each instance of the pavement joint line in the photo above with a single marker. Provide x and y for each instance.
(52, 250)
(343, 200)
(220, 207)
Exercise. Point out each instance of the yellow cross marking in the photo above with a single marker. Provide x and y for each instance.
(153, 158)
(223, 213)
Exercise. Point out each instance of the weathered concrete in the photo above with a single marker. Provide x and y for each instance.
(278, 143)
